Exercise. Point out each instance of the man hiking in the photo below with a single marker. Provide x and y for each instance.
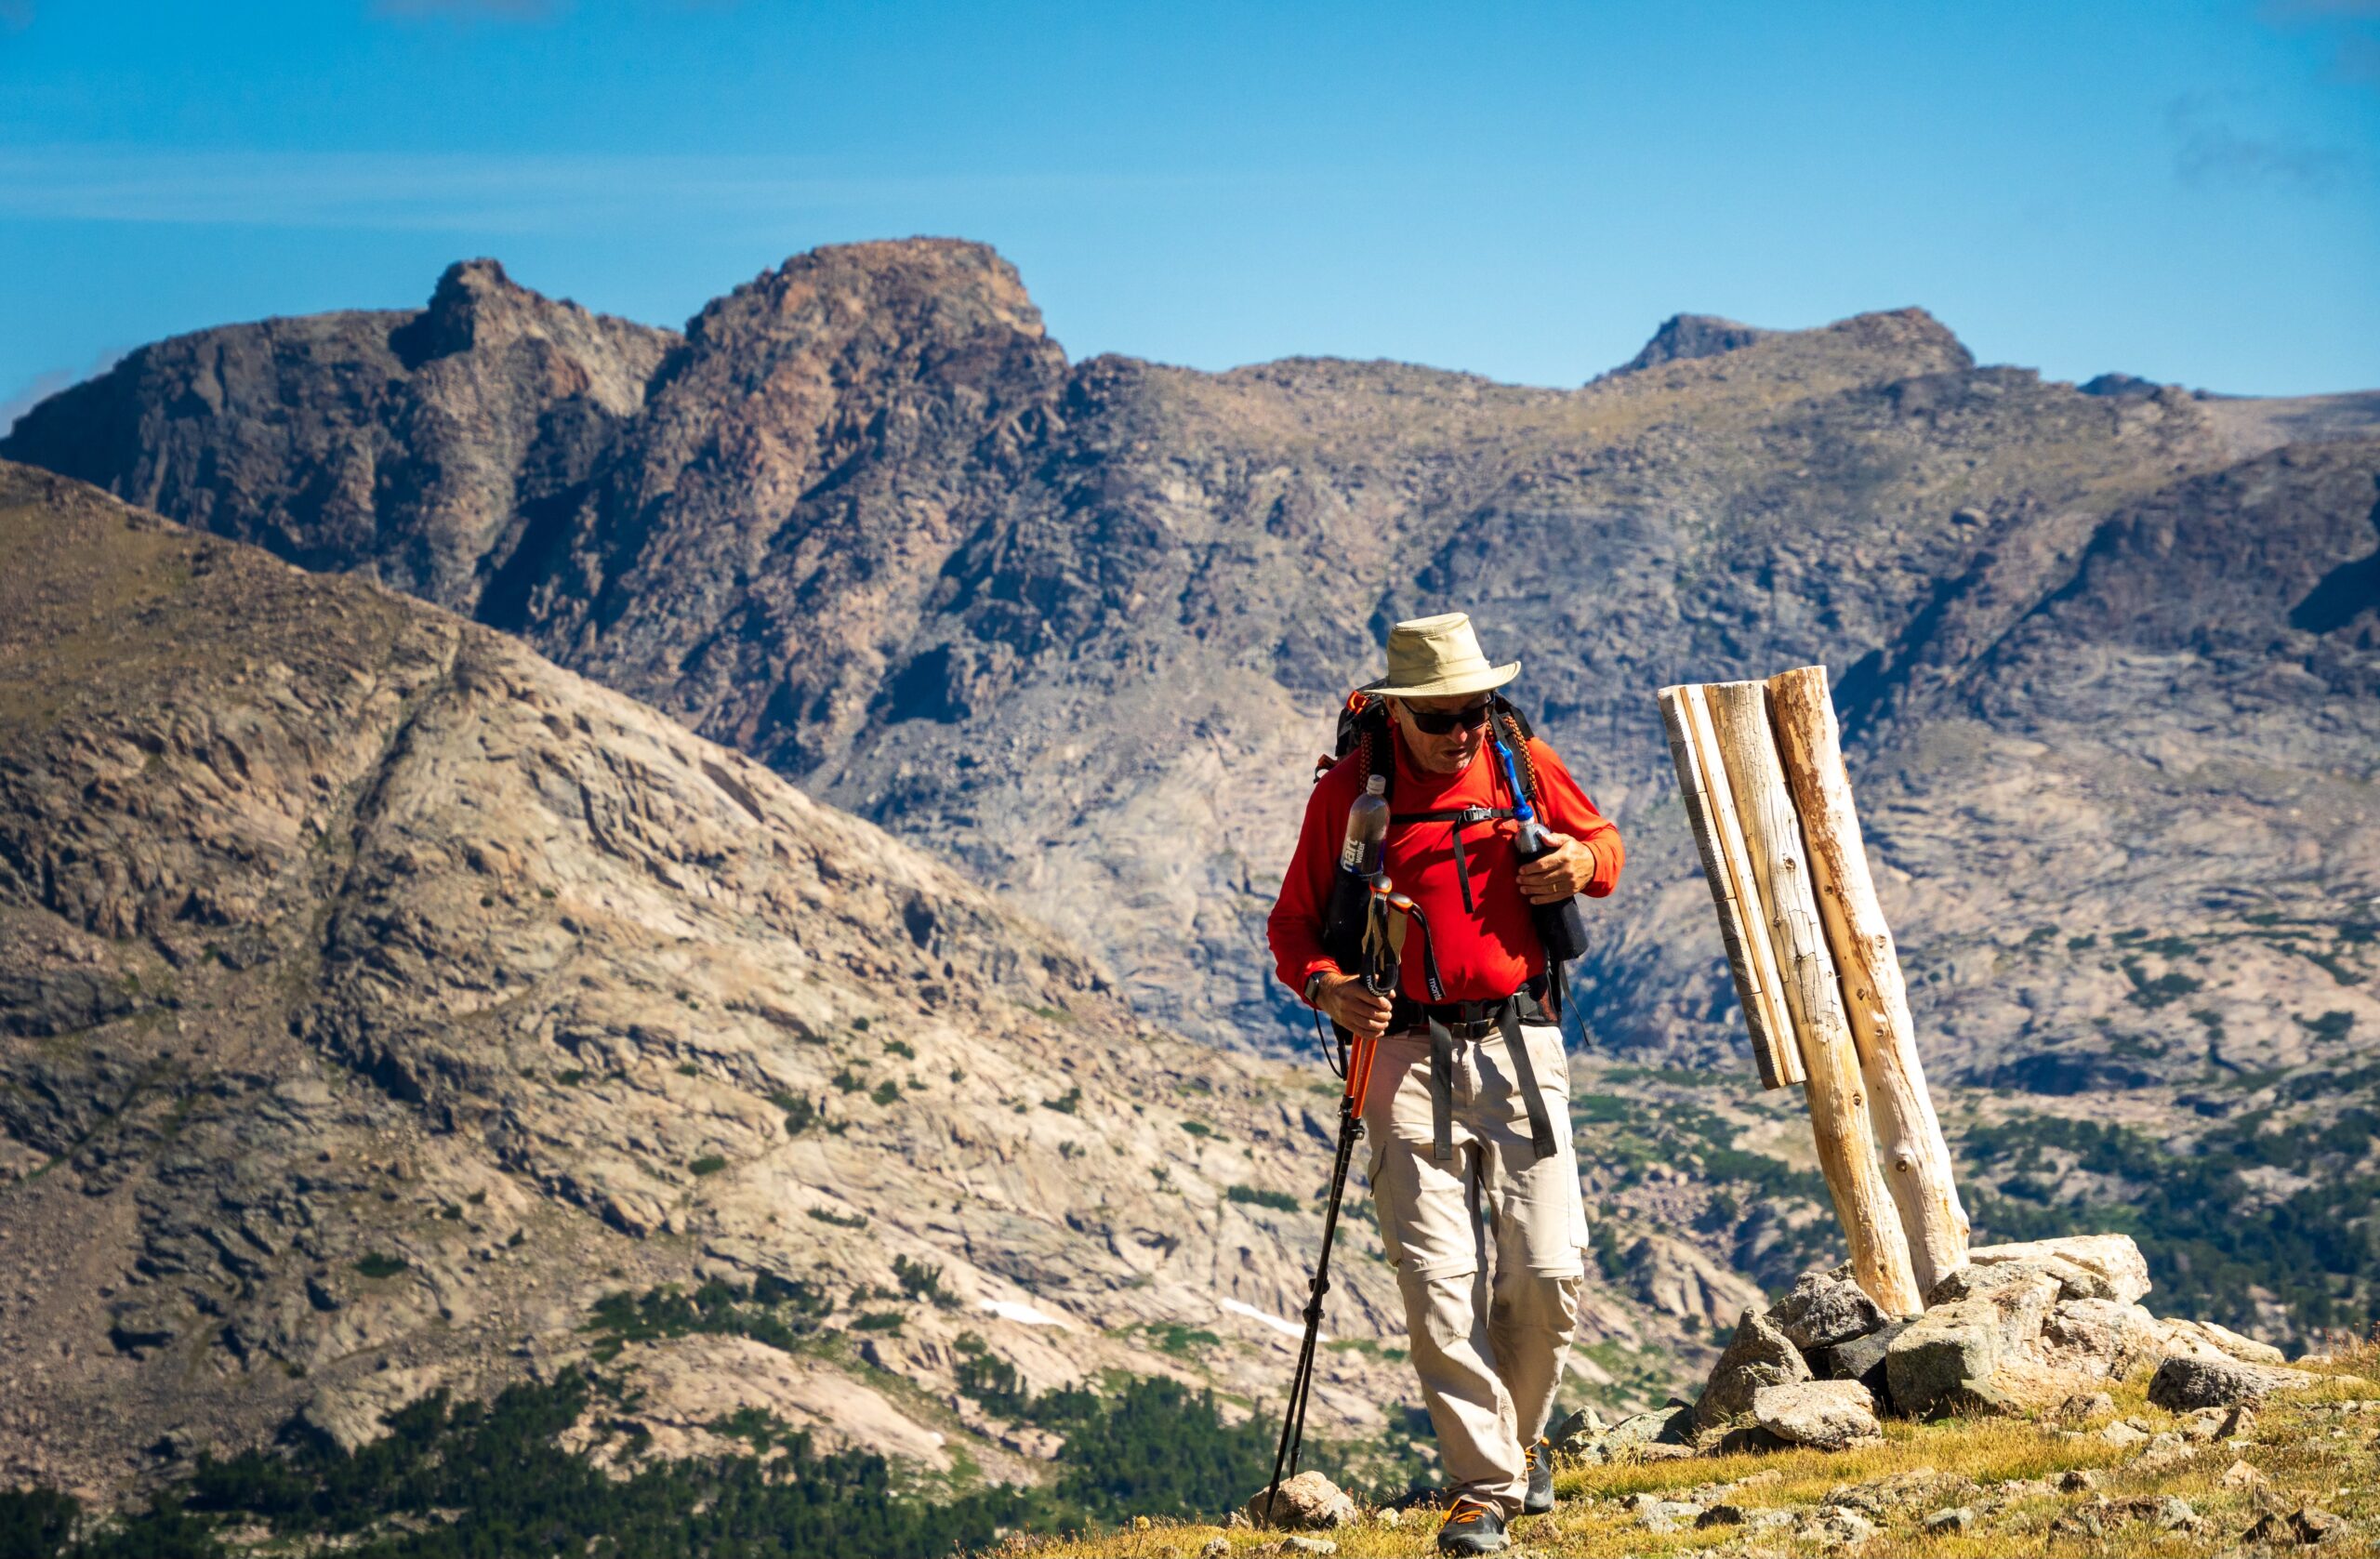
(1468, 1105)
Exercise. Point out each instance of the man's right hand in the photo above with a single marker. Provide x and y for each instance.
(1345, 1000)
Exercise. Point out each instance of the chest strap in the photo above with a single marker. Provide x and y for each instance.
(1462, 817)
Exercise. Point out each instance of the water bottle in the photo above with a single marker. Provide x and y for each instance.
(1561, 930)
(1359, 862)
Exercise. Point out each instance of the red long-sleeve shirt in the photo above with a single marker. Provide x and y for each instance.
(1485, 952)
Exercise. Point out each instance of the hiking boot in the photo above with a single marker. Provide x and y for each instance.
(1472, 1528)
(1539, 1498)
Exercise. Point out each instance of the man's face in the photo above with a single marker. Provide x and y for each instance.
(1451, 752)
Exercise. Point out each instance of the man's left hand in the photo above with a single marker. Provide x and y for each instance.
(1560, 872)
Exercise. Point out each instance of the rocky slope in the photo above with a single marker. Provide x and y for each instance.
(377, 1000)
(2105, 660)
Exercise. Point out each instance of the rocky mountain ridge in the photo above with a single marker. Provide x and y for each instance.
(1079, 626)
(2105, 662)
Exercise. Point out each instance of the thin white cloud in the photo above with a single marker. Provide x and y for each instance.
(2211, 150)
(2352, 28)
(474, 191)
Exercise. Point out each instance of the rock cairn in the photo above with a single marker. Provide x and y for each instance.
(2037, 1329)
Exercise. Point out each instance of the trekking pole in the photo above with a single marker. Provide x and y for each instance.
(1382, 942)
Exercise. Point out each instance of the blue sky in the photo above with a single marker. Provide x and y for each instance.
(2185, 191)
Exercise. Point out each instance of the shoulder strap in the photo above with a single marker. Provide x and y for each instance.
(1512, 729)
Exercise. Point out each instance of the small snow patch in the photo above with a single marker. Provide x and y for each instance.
(1024, 1315)
(1286, 1328)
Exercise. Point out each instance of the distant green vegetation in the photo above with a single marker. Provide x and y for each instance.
(1279, 1201)
(2330, 1027)
(772, 1311)
(462, 1480)
(921, 1281)
(1182, 1341)
(1631, 1137)
(375, 1264)
(1156, 1447)
(2210, 1237)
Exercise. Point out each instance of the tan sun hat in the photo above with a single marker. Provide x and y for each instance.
(1437, 657)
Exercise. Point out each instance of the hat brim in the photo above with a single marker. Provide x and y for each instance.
(1446, 687)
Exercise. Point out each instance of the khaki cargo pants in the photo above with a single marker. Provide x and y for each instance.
(1490, 1343)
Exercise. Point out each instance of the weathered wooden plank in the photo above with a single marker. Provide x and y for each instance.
(1916, 1157)
(1839, 1114)
(1743, 928)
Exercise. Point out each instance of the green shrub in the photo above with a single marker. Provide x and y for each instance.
(708, 1164)
(773, 1311)
(2330, 1027)
(1279, 1201)
(36, 1521)
(375, 1264)
(920, 1281)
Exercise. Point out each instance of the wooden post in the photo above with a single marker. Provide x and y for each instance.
(1726, 865)
(1838, 1099)
(1917, 1158)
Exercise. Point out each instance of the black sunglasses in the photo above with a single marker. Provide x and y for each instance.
(1443, 722)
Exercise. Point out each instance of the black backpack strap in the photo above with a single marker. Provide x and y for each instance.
(1540, 1122)
(1441, 1092)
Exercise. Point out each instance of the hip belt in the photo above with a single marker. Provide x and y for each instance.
(1450, 1022)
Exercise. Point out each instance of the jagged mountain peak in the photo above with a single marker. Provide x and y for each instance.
(1874, 348)
(942, 284)
(475, 303)
(1689, 336)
